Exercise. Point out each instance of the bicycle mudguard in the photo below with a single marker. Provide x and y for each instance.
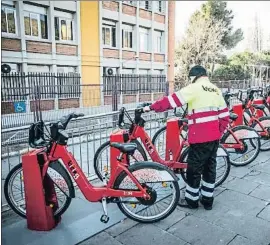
(57, 165)
(243, 132)
(155, 172)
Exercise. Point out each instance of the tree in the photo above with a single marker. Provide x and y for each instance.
(217, 11)
(201, 43)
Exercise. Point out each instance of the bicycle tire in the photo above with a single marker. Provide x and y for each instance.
(224, 177)
(55, 166)
(152, 166)
(107, 145)
(261, 119)
(256, 146)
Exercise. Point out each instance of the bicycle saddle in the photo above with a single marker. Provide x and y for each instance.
(233, 116)
(259, 107)
(128, 148)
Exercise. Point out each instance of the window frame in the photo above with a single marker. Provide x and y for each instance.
(71, 20)
(131, 3)
(145, 32)
(110, 27)
(7, 34)
(142, 5)
(160, 9)
(128, 29)
(158, 34)
(39, 37)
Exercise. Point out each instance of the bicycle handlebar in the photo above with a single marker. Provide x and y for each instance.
(63, 122)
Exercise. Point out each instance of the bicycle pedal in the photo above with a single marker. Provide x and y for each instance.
(104, 219)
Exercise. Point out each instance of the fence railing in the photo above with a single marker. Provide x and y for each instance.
(57, 94)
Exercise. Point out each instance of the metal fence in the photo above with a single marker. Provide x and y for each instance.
(58, 94)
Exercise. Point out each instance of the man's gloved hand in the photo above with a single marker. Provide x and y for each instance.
(146, 109)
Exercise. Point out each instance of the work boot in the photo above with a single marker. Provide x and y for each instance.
(186, 204)
(207, 206)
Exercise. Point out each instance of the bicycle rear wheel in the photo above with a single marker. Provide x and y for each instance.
(102, 164)
(161, 184)
(14, 189)
(242, 157)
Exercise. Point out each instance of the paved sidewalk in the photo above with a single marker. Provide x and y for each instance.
(240, 216)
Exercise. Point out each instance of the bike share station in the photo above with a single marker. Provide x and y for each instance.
(79, 222)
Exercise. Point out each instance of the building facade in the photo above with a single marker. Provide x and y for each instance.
(94, 38)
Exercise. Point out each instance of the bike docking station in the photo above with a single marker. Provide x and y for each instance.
(40, 195)
(259, 102)
(172, 138)
(238, 109)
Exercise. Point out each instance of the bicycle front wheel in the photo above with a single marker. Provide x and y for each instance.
(265, 140)
(14, 189)
(102, 159)
(162, 186)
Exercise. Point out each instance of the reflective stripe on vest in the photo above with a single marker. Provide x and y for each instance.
(203, 119)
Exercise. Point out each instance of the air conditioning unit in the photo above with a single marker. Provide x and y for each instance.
(110, 71)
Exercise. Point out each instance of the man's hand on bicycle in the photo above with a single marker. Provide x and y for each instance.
(145, 106)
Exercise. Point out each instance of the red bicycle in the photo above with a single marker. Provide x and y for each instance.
(176, 148)
(251, 117)
(145, 192)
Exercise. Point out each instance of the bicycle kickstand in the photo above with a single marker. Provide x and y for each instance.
(104, 218)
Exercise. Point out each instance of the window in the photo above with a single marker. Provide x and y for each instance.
(66, 69)
(158, 42)
(109, 34)
(35, 25)
(144, 39)
(8, 20)
(157, 72)
(145, 5)
(127, 71)
(160, 6)
(38, 68)
(127, 36)
(130, 2)
(64, 26)
(143, 71)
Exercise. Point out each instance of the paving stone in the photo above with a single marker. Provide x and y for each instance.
(265, 167)
(258, 177)
(229, 179)
(219, 190)
(214, 214)
(262, 192)
(145, 234)
(121, 227)
(239, 172)
(197, 231)
(102, 238)
(240, 203)
(241, 185)
(250, 227)
(239, 240)
(176, 216)
(265, 214)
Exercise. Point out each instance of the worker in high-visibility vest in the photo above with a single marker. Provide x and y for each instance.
(208, 117)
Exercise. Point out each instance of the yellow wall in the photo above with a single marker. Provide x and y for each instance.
(90, 48)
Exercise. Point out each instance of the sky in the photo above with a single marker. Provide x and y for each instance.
(244, 12)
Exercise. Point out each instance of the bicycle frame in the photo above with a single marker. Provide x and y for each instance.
(91, 193)
(173, 144)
